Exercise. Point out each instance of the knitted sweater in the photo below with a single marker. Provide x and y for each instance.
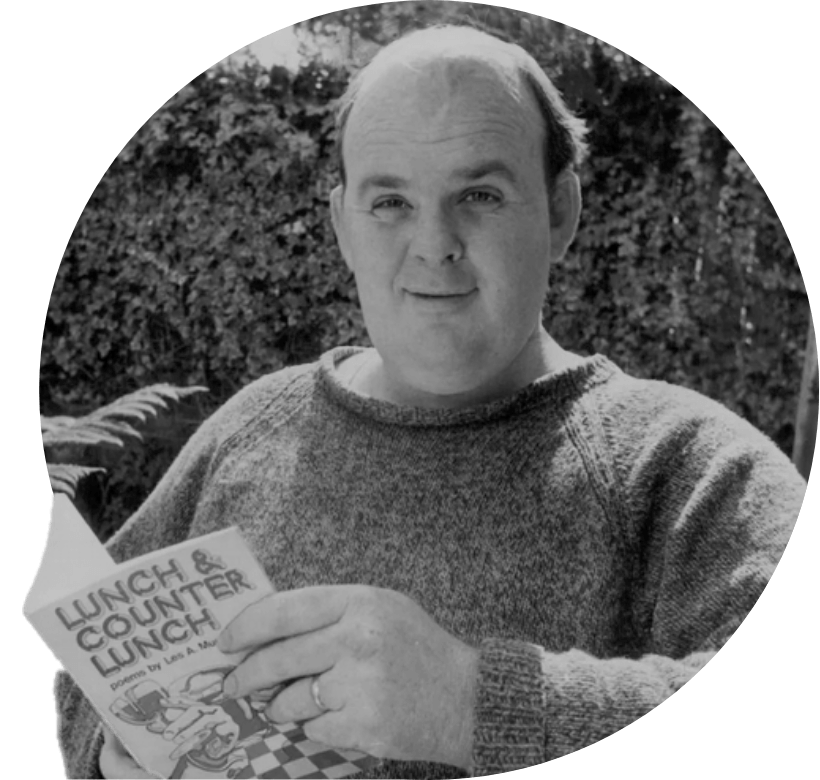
(596, 536)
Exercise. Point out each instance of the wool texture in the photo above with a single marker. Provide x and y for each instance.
(598, 537)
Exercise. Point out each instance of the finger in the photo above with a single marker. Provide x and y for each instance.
(284, 614)
(296, 703)
(116, 761)
(265, 694)
(288, 659)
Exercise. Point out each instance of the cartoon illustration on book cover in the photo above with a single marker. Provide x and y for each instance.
(211, 734)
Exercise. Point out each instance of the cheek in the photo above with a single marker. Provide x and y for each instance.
(376, 262)
(517, 270)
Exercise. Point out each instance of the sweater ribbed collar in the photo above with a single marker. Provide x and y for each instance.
(555, 389)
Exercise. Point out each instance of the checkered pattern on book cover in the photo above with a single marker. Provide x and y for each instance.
(290, 754)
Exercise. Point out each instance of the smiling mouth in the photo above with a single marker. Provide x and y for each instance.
(439, 295)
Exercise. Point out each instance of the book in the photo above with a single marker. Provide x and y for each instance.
(139, 638)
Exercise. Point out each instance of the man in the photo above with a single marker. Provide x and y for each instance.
(489, 552)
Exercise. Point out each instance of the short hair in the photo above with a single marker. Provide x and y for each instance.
(565, 145)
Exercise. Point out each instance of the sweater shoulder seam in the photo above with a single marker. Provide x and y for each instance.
(585, 418)
(277, 387)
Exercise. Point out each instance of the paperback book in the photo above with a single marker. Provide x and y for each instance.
(140, 637)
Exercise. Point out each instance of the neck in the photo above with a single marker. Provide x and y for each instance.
(541, 355)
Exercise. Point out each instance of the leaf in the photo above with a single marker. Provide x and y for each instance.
(65, 477)
(112, 424)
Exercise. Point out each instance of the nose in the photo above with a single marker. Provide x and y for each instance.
(436, 238)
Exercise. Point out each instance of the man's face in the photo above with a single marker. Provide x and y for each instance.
(445, 223)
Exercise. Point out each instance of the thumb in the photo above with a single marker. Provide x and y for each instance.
(116, 762)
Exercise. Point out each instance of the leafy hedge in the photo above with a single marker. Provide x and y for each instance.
(205, 255)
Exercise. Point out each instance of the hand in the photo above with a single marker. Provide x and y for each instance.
(393, 682)
(116, 762)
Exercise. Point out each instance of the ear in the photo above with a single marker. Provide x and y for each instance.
(565, 210)
(339, 227)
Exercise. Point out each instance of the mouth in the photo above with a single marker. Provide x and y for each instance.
(441, 302)
(432, 296)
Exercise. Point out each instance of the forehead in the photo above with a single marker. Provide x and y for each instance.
(462, 104)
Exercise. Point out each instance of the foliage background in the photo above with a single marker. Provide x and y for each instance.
(205, 254)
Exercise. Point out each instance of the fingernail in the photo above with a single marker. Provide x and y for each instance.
(230, 686)
(223, 641)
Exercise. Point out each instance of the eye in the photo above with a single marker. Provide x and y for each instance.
(482, 197)
(390, 203)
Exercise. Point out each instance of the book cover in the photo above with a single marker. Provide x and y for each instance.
(139, 638)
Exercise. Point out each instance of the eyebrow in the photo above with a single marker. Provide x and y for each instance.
(469, 173)
(489, 168)
(384, 181)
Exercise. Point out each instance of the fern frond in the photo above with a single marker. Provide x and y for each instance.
(48, 424)
(65, 477)
(145, 403)
(112, 424)
(88, 432)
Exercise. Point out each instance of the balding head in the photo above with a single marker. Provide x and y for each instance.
(445, 56)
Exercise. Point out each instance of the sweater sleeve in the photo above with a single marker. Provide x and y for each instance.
(706, 504)
(163, 520)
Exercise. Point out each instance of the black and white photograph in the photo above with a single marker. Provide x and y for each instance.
(426, 389)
